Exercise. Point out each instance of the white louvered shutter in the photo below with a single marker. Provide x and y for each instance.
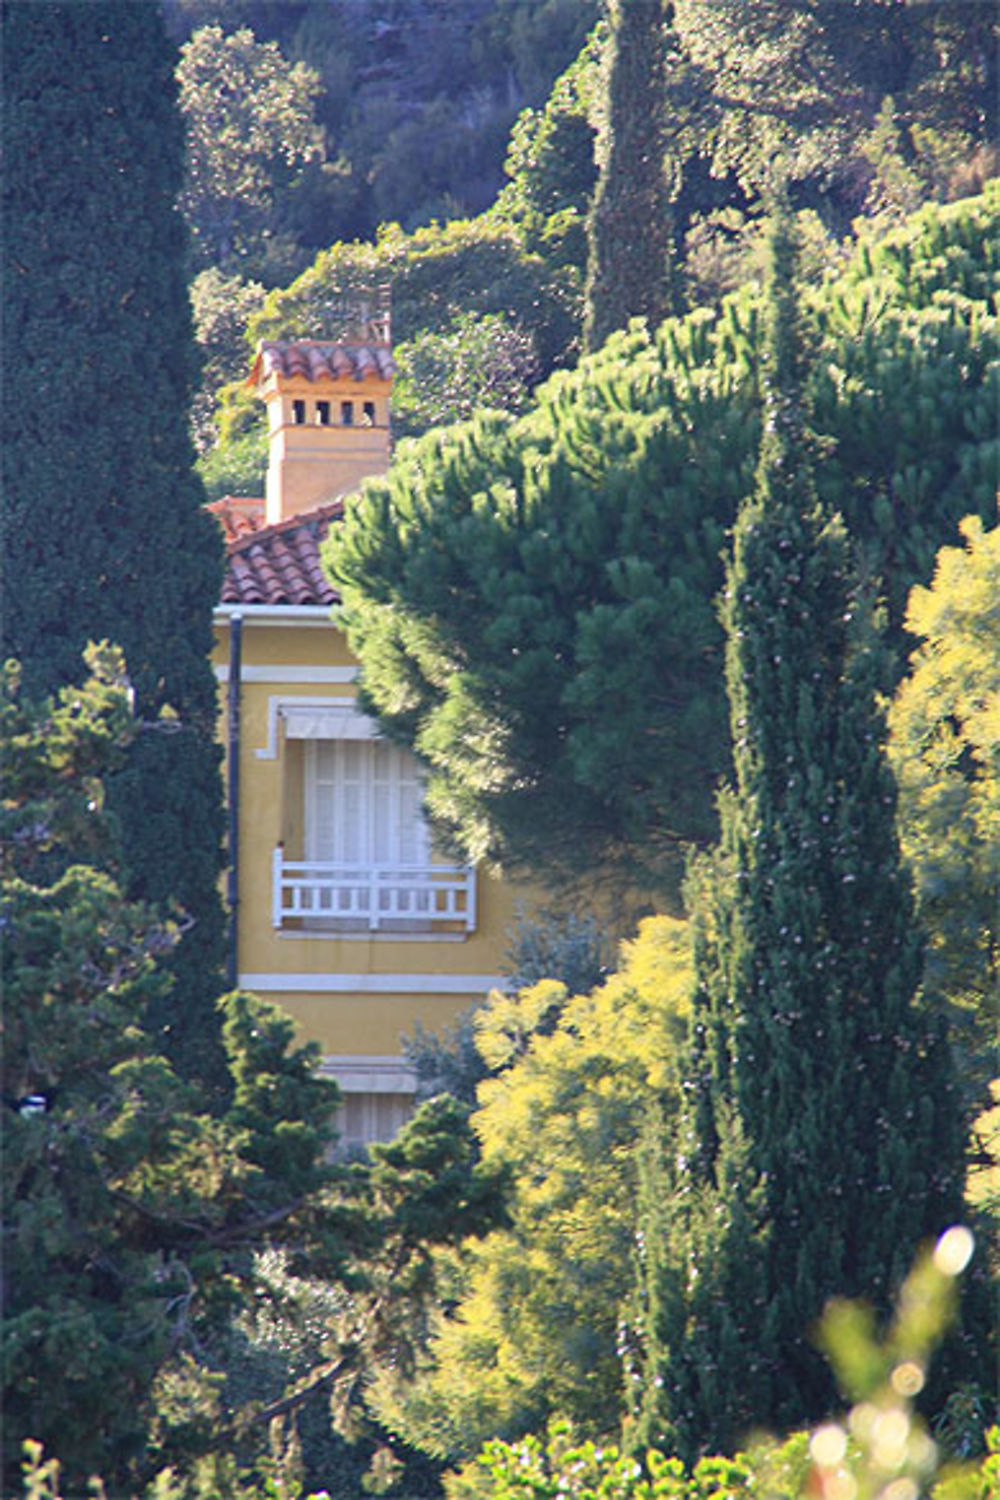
(363, 801)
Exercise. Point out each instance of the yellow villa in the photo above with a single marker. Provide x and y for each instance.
(344, 913)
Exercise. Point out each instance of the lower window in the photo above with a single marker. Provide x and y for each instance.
(364, 1119)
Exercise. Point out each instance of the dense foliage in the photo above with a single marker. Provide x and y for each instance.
(438, 275)
(527, 1327)
(882, 1377)
(611, 1218)
(104, 533)
(132, 1218)
(817, 1078)
(572, 949)
(873, 118)
(127, 1208)
(550, 167)
(806, 83)
(477, 319)
(880, 1440)
(249, 131)
(630, 269)
(532, 600)
(485, 361)
(411, 106)
(875, 110)
(944, 748)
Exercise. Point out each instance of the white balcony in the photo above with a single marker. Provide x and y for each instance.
(372, 897)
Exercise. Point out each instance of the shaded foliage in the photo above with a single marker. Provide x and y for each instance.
(103, 532)
(562, 946)
(630, 270)
(510, 580)
(415, 100)
(486, 361)
(826, 1132)
(128, 1209)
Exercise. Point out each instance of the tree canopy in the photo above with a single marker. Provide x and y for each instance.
(133, 1217)
(249, 125)
(944, 747)
(104, 534)
(127, 1208)
(413, 104)
(825, 1133)
(438, 274)
(630, 269)
(532, 601)
(441, 378)
(529, 1321)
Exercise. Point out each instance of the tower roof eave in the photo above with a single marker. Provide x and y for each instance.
(317, 361)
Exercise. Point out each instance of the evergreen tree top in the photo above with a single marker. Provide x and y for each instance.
(782, 455)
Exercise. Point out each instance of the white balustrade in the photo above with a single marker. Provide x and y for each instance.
(372, 896)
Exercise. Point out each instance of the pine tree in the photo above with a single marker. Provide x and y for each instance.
(128, 1211)
(631, 225)
(532, 601)
(825, 1140)
(104, 534)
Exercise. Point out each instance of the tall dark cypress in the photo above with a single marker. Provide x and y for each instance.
(630, 231)
(824, 1141)
(104, 535)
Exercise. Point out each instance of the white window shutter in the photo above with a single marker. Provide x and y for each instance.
(363, 804)
(321, 814)
(384, 831)
(414, 845)
(351, 835)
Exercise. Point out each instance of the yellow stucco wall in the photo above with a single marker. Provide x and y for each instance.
(354, 993)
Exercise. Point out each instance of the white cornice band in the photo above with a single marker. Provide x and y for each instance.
(275, 614)
(290, 674)
(374, 984)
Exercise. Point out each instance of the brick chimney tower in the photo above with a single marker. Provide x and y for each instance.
(328, 418)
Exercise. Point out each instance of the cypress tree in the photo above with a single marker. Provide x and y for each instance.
(104, 534)
(630, 231)
(824, 1138)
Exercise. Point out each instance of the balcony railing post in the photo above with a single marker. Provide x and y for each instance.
(470, 899)
(277, 861)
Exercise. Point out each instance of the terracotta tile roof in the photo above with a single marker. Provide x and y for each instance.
(238, 516)
(280, 564)
(319, 361)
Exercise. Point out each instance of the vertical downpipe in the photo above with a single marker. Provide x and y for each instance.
(233, 770)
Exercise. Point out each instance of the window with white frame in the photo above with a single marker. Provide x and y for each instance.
(365, 859)
(363, 801)
(363, 819)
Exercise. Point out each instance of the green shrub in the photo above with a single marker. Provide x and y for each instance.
(880, 1450)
